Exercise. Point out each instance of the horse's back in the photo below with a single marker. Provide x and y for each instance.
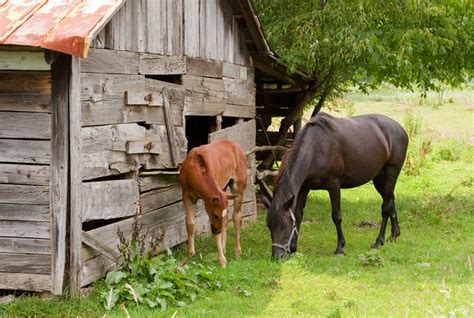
(223, 159)
(358, 148)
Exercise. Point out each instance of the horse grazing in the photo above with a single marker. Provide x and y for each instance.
(332, 153)
(205, 173)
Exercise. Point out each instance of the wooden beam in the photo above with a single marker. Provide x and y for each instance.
(23, 61)
(60, 71)
(99, 247)
(75, 180)
(169, 127)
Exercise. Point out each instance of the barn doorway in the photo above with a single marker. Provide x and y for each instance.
(197, 130)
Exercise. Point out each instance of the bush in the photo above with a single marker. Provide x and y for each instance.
(154, 281)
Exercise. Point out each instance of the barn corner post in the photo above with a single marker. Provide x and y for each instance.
(75, 177)
(59, 168)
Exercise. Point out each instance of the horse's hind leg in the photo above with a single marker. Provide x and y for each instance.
(385, 183)
(190, 208)
(238, 188)
(335, 195)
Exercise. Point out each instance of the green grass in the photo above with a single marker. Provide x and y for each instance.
(426, 273)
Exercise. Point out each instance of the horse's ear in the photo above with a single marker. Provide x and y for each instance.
(231, 196)
(215, 200)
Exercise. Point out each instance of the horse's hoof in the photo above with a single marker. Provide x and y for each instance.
(376, 246)
(339, 253)
(238, 253)
(223, 264)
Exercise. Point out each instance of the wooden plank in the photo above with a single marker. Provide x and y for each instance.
(153, 31)
(24, 174)
(203, 105)
(203, 67)
(138, 25)
(239, 111)
(202, 29)
(21, 281)
(154, 64)
(97, 87)
(203, 85)
(158, 198)
(95, 268)
(23, 60)
(26, 83)
(24, 212)
(238, 72)
(143, 98)
(211, 38)
(229, 34)
(157, 182)
(114, 111)
(25, 263)
(109, 199)
(163, 31)
(24, 194)
(25, 245)
(105, 149)
(169, 128)
(99, 247)
(25, 229)
(239, 92)
(75, 180)
(243, 134)
(25, 125)
(174, 9)
(58, 199)
(220, 29)
(191, 28)
(25, 151)
(40, 103)
(236, 38)
(110, 62)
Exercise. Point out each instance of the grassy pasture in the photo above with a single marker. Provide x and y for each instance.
(426, 273)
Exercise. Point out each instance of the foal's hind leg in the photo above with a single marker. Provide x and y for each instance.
(335, 195)
(190, 208)
(385, 183)
(238, 188)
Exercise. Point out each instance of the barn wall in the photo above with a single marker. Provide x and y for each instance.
(195, 28)
(25, 158)
(134, 137)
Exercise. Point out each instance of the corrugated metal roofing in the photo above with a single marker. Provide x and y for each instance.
(66, 26)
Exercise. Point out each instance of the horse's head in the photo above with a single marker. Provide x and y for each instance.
(282, 225)
(216, 209)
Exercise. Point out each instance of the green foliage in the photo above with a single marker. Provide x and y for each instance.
(154, 281)
(371, 258)
(408, 43)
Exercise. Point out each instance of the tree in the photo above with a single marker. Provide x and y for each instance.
(344, 43)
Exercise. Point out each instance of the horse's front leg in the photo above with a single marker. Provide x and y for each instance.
(335, 195)
(190, 208)
(220, 251)
(300, 204)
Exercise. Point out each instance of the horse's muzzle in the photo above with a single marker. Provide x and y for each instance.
(278, 253)
(215, 230)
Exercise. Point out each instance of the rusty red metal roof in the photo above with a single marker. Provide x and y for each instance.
(66, 26)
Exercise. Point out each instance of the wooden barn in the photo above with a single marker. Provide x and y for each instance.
(99, 103)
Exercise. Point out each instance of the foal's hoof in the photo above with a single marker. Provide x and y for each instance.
(223, 264)
(238, 253)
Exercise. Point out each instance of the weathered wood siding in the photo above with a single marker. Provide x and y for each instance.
(25, 157)
(196, 28)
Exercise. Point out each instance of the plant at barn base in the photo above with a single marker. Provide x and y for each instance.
(154, 281)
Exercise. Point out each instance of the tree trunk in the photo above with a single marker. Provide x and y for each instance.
(286, 123)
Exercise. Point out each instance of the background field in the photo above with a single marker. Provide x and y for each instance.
(426, 273)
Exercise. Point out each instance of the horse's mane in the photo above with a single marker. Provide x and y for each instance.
(284, 188)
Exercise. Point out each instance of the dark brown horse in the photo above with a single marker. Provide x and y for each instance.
(332, 153)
